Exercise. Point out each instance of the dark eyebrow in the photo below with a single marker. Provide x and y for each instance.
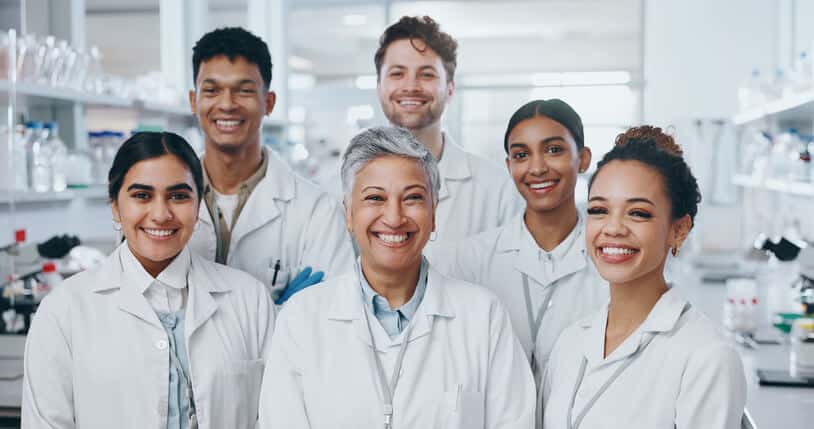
(629, 200)
(546, 140)
(552, 139)
(140, 186)
(179, 187)
(640, 200)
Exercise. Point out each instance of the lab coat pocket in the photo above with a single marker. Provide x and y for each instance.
(465, 408)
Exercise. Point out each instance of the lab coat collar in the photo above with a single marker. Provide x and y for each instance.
(454, 165)
(347, 305)
(262, 205)
(544, 267)
(174, 276)
(664, 317)
(130, 298)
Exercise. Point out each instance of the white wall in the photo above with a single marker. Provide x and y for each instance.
(696, 52)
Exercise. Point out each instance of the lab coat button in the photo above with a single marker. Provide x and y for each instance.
(161, 345)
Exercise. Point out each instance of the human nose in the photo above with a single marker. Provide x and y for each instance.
(226, 100)
(539, 166)
(160, 211)
(614, 226)
(393, 216)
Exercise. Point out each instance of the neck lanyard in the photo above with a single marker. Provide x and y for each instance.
(535, 322)
(388, 389)
(628, 361)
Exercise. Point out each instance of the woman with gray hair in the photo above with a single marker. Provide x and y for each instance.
(394, 343)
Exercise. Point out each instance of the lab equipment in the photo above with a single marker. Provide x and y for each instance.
(741, 306)
(47, 280)
(801, 357)
(38, 159)
(301, 281)
(57, 246)
(59, 157)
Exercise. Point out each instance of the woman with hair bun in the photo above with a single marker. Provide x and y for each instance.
(648, 359)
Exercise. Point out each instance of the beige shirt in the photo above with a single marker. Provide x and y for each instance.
(224, 229)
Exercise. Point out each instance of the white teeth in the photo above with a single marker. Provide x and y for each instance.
(617, 251)
(410, 103)
(160, 232)
(393, 238)
(542, 185)
(227, 124)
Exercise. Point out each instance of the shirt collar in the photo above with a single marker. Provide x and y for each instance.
(174, 276)
(247, 186)
(570, 243)
(453, 163)
(376, 303)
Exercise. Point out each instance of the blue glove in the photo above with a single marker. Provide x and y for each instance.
(303, 280)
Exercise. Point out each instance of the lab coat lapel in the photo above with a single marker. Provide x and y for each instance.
(434, 304)
(347, 306)
(201, 305)
(593, 349)
(263, 204)
(128, 298)
(574, 258)
(453, 167)
(515, 238)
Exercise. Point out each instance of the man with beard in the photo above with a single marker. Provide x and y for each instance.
(415, 66)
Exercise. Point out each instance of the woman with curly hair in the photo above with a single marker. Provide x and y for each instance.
(648, 359)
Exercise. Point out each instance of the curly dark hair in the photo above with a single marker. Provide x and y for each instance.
(659, 151)
(428, 31)
(232, 42)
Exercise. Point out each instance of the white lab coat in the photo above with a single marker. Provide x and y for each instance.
(463, 366)
(98, 357)
(499, 258)
(689, 377)
(285, 218)
(476, 195)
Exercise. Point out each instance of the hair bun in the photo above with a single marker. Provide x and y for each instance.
(661, 139)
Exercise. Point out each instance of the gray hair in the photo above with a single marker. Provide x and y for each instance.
(378, 142)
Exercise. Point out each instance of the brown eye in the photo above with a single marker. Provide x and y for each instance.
(593, 211)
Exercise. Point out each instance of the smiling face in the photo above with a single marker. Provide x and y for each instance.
(544, 162)
(413, 88)
(157, 207)
(629, 229)
(230, 101)
(391, 214)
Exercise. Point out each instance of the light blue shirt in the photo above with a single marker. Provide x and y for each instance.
(393, 320)
(178, 400)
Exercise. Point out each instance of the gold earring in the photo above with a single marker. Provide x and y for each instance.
(675, 251)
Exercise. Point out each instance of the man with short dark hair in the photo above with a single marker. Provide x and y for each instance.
(257, 216)
(415, 65)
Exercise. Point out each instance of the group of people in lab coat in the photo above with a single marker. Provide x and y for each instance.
(477, 296)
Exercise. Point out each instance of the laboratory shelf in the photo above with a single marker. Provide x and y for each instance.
(794, 108)
(92, 192)
(164, 109)
(805, 189)
(48, 93)
(44, 93)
